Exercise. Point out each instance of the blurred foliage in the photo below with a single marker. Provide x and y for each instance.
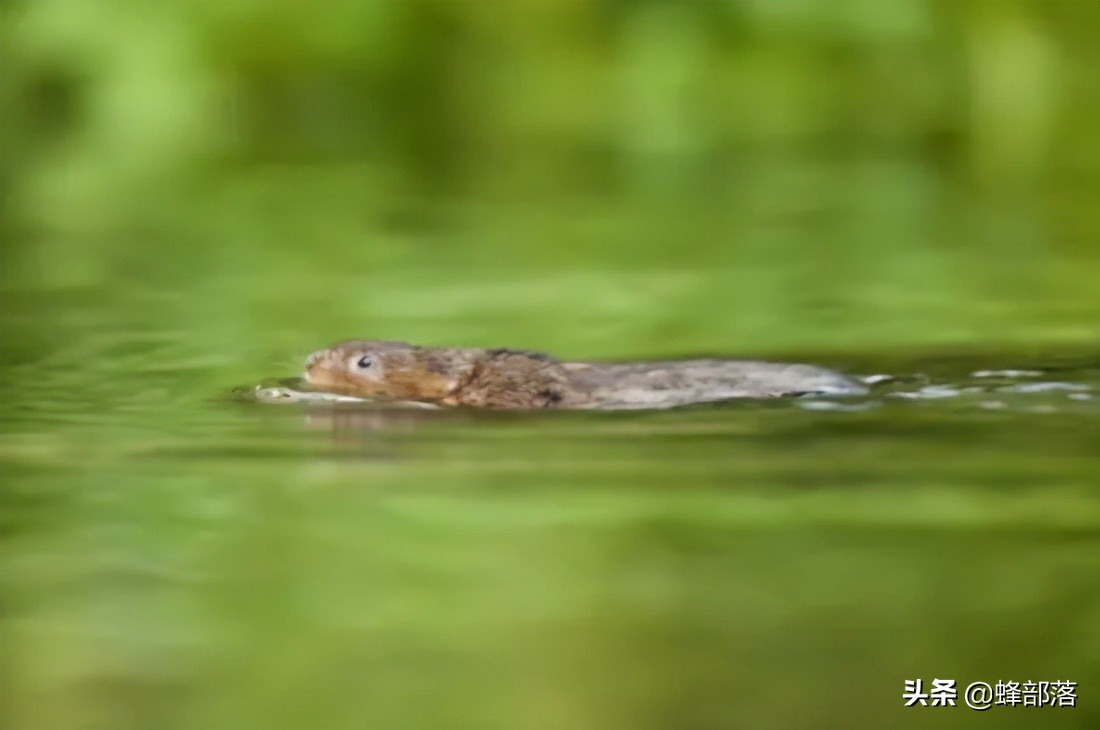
(245, 181)
(619, 176)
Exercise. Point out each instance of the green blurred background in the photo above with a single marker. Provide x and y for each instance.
(598, 178)
(197, 194)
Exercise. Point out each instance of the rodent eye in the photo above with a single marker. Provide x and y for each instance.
(365, 362)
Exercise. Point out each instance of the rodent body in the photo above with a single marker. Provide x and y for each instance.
(512, 379)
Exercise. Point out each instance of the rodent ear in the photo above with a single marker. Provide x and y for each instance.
(440, 362)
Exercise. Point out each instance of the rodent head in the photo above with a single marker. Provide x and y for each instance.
(389, 370)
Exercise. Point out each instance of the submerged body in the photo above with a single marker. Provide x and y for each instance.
(525, 380)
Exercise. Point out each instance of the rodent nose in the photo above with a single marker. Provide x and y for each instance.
(314, 357)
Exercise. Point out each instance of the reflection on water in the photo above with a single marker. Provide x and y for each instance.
(329, 564)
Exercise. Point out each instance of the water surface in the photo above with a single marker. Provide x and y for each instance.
(175, 556)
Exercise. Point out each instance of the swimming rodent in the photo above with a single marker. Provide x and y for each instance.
(514, 379)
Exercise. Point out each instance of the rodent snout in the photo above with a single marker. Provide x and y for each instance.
(314, 357)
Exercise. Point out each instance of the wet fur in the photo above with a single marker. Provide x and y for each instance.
(516, 379)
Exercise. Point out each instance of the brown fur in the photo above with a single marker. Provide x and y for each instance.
(502, 378)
